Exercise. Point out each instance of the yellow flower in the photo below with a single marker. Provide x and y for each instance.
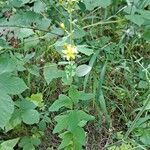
(62, 25)
(70, 51)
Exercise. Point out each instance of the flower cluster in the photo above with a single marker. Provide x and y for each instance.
(70, 51)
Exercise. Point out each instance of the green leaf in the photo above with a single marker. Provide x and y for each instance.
(11, 85)
(6, 109)
(31, 116)
(9, 144)
(82, 6)
(79, 140)
(84, 116)
(85, 96)
(144, 13)
(137, 19)
(66, 140)
(34, 70)
(37, 99)
(78, 33)
(146, 35)
(28, 143)
(82, 70)
(74, 94)
(31, 42)
(18, 3)
(90, 4)
(14, 121)
(39, 6)
(83, 49)
(77, 116)
(6, 64)
(51, 72)
(24, 19)
(25, 104)
(101, 102)
(63, 101)
(24, 33)
(145, 138)
(143, 85)
(62, 122)
(3, 44)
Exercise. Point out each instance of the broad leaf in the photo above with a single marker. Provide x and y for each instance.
(83, 49)
(29, 143)
(18, 3)
(137, 19)
(11, 85)
(9, 145)
(61, 123)
(6, 64)
(51, 72)
(6, 108)
(66, 140)
(63, 101)
(90, 4)
(85, 96)
(37, 99)
(31, 116)
(82, 70)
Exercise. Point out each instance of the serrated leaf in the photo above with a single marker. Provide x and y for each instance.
(82, 70)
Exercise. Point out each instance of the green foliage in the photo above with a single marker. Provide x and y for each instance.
(51, 72)
(29, 143)
(6, 109)
(70, 124)
(9, 144)
(74, 74)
